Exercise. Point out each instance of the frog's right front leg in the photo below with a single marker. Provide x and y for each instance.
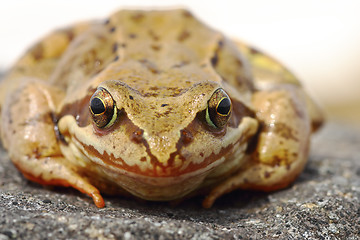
(28, 132)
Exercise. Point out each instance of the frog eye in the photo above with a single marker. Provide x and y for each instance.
(102, 108)
(219, 109)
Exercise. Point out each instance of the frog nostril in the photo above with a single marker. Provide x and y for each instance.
(186, 137)
(137, 136)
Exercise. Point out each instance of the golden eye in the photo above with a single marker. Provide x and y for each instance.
(219, 109)
(102, 108)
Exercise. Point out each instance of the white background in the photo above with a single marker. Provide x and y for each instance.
(319, 40)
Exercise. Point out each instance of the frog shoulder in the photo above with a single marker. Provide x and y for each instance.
(265, 69)
(40, 60)
(269, 73)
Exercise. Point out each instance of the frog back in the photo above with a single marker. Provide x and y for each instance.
(155, 53)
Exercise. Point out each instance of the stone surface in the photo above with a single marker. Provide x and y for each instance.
(322, 204)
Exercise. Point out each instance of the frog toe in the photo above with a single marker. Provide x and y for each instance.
(58, 174)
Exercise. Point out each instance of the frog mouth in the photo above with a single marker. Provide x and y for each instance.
(168, 183)
(180, 163)
(170, 169)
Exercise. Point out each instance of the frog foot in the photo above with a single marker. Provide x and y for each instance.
(63, 177)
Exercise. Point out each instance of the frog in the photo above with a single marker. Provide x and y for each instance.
(156, 105)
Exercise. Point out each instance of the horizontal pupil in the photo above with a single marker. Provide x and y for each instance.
(97, 106)
(224, 106)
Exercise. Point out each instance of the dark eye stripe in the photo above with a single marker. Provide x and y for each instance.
(97, 106)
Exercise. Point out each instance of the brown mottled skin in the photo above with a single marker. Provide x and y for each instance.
(179, 110)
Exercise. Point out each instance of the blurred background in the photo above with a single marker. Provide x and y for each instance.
(317, 40)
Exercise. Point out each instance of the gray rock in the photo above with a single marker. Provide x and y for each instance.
(324, 203)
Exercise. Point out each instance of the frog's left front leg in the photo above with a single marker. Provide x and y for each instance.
(282, 144)
(28, 132)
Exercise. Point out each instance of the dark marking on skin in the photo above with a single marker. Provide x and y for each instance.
(137, 136)
(112, 29)
(267, 174)
(253, 143)
(315, 125)
(288, 166)
(201, 154)
(173, 92)
(215, 58)
(187, 14)
(154, 36)
(155, 47)
(164, 105)
(137, 18)
(107, 21)
(159, 115)
(114, 47)
(132, 35)
(131, 97)
(220, 44)
(150, 66)
(79, 109)
(37, 51)
(254, 51)
(36, 153)
(186, 137)
(282, 130)
(276, 161)
(154, 88)
(116, 58)
(183, 36)
(58, 134)
(123, 45)
(239, 63)
(68, 32)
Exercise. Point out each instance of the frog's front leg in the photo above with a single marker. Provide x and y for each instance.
(281, 147)
(28, 132)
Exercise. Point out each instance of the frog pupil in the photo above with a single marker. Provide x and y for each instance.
(224, 106)
(97, 106)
